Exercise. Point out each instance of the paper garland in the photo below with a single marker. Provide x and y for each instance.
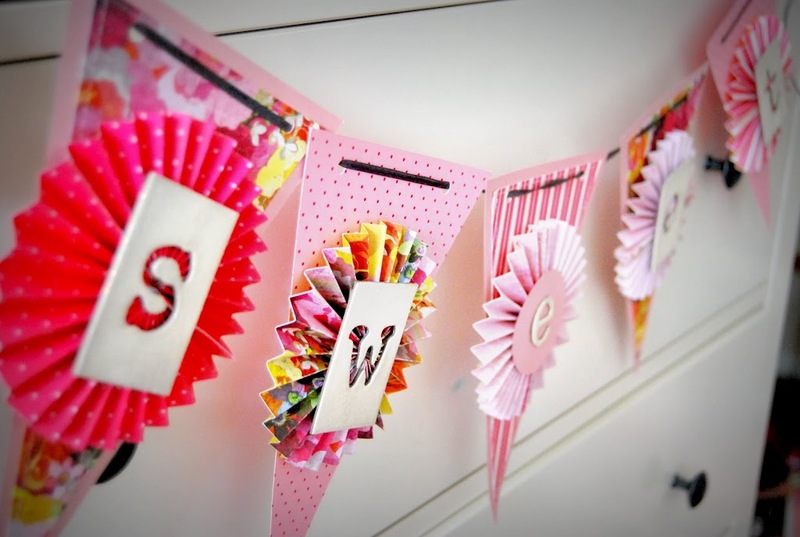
(381, 252)
(749, 145)
(548, 203)
(634, 282)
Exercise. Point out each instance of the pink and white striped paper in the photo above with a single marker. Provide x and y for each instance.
(748, 151)
(506, 216)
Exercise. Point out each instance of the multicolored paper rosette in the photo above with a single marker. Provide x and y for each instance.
(66, 244)
(380, 252)
(750, 147)
(638, 275)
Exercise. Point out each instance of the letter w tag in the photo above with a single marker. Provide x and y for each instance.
(378, 312)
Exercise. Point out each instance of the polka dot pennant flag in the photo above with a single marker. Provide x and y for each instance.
(360, 204)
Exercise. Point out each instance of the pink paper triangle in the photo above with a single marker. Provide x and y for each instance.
(25, 492)
(760, 182)
(296, 495)
(500, 436)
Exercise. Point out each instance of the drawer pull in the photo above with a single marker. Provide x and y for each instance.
(118, 462)
(696, 488)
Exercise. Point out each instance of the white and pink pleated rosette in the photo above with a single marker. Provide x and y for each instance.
(749, 145)
(525, 322)
(548, 261)
(637, 276)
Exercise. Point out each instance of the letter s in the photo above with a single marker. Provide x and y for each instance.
(138, 315)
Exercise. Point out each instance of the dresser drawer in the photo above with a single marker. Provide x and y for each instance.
(706, 414)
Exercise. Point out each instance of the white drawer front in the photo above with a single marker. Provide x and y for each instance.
(614, 477)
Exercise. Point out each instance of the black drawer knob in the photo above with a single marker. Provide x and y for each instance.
(728, 169)
(118, 462)
(696, 488)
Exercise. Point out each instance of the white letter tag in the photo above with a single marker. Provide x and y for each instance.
(671, 206)
(770, 90)
(358, 372)
(155, 289)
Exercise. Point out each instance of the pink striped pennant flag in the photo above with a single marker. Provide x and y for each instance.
(561, 191)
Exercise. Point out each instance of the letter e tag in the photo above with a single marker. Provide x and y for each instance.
(156, 287)
(539, 323)
(358, 372)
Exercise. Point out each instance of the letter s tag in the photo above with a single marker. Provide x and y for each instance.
(173, 243)
(138, 315)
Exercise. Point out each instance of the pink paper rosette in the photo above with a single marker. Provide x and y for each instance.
(636, 277)
(65, 245)
(549, 246)
(382, 252)
(750, 151)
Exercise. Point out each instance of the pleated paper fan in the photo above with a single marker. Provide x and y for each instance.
(749, 146)
(507, 378)
(382, 252)
(637, 275)
(66, 243)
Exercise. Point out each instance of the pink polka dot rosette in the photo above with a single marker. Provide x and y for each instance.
(749, 146)
(66, 242)
(546, 270)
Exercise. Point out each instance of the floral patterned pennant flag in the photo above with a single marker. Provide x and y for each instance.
(533, 267)
(147, 103)
(655, 189)
(374, 223)
(126, 57)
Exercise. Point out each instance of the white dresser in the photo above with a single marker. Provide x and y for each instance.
(498, 85)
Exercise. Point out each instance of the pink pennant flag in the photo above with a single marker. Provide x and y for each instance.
(45, 482)
(500, 436)
(374, 224)
(226, 136)
(750, 60)
(655, 186)
(296, 494)
(533, 267)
